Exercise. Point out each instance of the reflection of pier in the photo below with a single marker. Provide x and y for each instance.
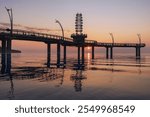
(27, 72)
(77, 40)
(53, 74)
(42, 73)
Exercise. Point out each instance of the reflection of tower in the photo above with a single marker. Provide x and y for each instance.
(61, 78)
(79, 37)
(78, 85)
(77, 78)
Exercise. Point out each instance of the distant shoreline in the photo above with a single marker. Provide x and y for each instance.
(12, 51)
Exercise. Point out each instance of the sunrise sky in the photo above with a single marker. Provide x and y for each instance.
(124, 18)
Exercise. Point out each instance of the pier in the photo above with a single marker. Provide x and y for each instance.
(77, 40)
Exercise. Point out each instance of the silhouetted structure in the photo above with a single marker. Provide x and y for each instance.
(9, 41)
(77, 41)
(79, 37)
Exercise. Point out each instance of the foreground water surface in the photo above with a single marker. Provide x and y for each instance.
(124, 77)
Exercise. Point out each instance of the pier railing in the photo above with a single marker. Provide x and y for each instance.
(33, 35)
(48, 39)
(95, 43)
(121, 44)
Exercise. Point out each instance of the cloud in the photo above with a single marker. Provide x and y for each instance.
(34, 29)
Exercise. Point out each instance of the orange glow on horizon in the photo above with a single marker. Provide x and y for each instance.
(88, 48)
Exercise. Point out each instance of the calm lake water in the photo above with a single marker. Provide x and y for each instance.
(124, 77)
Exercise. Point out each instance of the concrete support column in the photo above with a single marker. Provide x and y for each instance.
(82, 54)
(78, 55)
(58, 54)
(138, 52)
(107, 53)
(64, 54)
(111, 52)
(93, 52)
(3, 57)
(8, 70)
(48, 54)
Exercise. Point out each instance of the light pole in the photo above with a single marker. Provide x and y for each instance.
(138, 48)
(111, 34)
(61, 28)
(139, 36)
(58, 46)
(10, 14)
(111, 48)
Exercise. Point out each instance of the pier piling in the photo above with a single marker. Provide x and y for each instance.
(8, 44)
(64, 54)
(111, 52)
(82, 54)
(78, 54)
(48, 54)
(3, 56)
(93, 53)
(107, 53)
(138, 52)
(58, 54)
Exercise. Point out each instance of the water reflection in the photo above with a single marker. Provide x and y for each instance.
(118, 66)
(51, 74)
(138, 62)
(27, 72)
(88, 56)
(42, 74)
(11, 90)
(108, 66)
(108, 77)
(88, 60)
(78, 77)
